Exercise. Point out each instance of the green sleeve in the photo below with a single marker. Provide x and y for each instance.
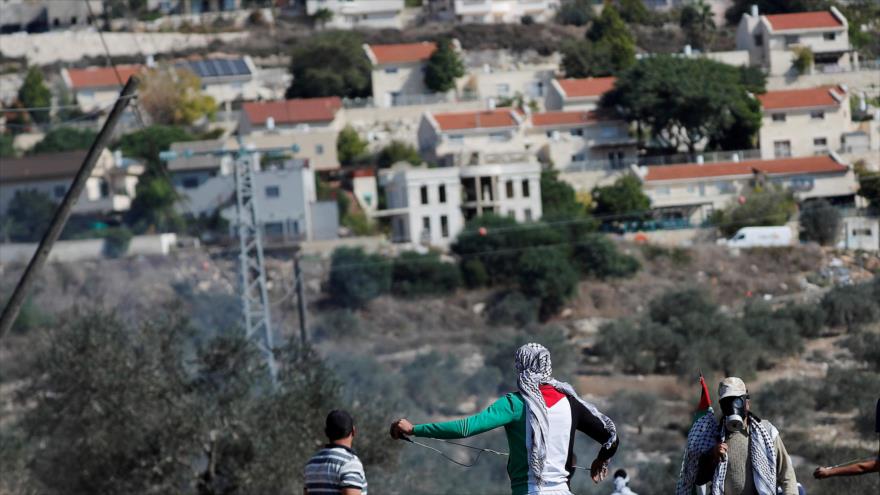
(503, 411)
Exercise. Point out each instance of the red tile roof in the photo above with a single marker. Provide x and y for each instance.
(803, 20)
(501, 117)
(402, 53)
(298, 111)
(564, 118)
(801, 98)
(779, 166)
(100, 77)
(587, 87)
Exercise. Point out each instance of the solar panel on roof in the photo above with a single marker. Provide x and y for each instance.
(218, 67)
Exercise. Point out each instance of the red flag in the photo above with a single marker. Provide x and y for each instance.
(705, 401)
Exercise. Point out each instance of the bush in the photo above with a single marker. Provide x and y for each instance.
(546, 275)
(678, 255)
(777, 336)
(474, 274)
(623, 198)
(847, 389)
(116, 241)
(335, 324)
(330, 64)
(28, 215)
(435, 392)
(820, 222)
(398, 151)
(575, 13)
(65, 139)
(775, 401)
(349, 146)
(512, 308)
(852, 305)
(415, 274)
(443, 68)
(803, 60)
(357, 277)
(865, 347)
(766, 207)
(597, 256)
(809, 318)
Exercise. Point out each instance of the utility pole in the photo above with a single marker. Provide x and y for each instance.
(300, 299)
(10, 312)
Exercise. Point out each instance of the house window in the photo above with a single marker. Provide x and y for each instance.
(391, 70)
(59, 191)
(424, 193)
(273, 191)
(190, 183)
(274, 229)
(444, 226)
(426, 225)
(791, 39)
(509, 187)
(498, 136)
(759, 40)
(662, 191)
(319, 149)
(778, 117)
(829, 36)
(502, 89)
(549, 134)
(817, 115)
(441, 193)
(577, 132)
(820, 142)
(456, 139)
(525, 188)
(782, 149)
(527, 213)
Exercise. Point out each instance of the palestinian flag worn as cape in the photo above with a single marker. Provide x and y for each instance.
(686, 484)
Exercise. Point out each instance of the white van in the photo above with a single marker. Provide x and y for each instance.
(748, 237)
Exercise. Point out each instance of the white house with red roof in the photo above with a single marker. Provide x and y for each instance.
(693, 191)
(348, 14)
(398, 74)
(577, 93)
(773, 40)
(96, 88)
(581, 140)
(469, 138)
(493, 11)
(803, 122)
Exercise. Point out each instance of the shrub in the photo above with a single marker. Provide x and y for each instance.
(820, 222)
(357, 277)
(415, 274)
(432, 391)
(846, 389)
(443, 68)
(349, 146)
(777, 336)
(575, 12)
(546, 275)
(852, 305)
(116, 241)
(803, 60)
(765, 207)
(774, 401)
(398, 151)
(474, 274)
(336, 323)
(809, 318)
(512, 308)
(865, 347)
(597, 256)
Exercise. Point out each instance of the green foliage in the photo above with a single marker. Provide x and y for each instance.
(6, 148)
(775, 401)
(65, 139)
(173, 96)
(397, 151)
(152, 209)
(846, 389)
(576, 13)
(512, 308)
(820, 222)
(596, 256)
(336, 324)
(609, 48)
(435, 392)
(869, 188)
(545, 274)
(29, 213)
(698, 23)
(415, 274)
(443, 68)
(33, 93)
(623, 198)
(682, 101)
(116, 241)
(330, 64)
(558, 198)
(473, 272)
(322, 16)
(147, 143)
(413, 3)
(349, 146)
(852, 305)
(865, 347)
(357, 277)
(779, 336)
(762, 207)
(633, 11)
(679, 256)
(803, 60)
(809, 318)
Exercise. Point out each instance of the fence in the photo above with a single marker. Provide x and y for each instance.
(623, 163)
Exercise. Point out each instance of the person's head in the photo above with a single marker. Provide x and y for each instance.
(620, 479)
(620, 473)
(533, 360)
(339, 426)
(733, 397)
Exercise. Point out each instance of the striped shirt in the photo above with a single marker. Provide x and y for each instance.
(333, 468)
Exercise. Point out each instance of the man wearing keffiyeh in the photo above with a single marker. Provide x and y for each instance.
(540, 420)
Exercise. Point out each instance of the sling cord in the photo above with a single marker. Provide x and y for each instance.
(472, 463)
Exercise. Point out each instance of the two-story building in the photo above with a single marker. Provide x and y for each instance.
(774, 40)
(312, 124)
(803, 122)
(398, 75)
(493, 11)
(503, 79)
(110, 189)
(693, 191)
(431, 205)
(582, 140)
(578, 93)
(463, 138)
(348, 14)
(96, 88)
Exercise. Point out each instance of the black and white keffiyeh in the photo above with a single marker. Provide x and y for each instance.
(534, 368)
(706, 433)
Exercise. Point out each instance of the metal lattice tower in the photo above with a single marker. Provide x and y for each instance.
(254, 294)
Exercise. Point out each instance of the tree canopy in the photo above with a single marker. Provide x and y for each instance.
(698, 23)
(608, 49)
(173, 96)
(349, 146)
(330, 64)
(147, 143)
(683, 101)
(623, 198)
(820, 222)
(443, 68)
(760, 207)
(398, 151)
(33, 93)
(65, 139)
(576, 13)
(29, 213)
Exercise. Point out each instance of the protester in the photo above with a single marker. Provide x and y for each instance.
(742, 455)
(336, 469)
(540, 420)
(621, 482)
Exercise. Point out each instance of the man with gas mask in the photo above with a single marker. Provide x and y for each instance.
(748, 456)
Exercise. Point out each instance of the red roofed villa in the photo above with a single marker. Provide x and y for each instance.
(398, 72)
(804, 122)
(578, 94)
(312, 112)
(454, 138)
(97, 87)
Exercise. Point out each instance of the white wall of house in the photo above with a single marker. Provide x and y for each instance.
(600, 145)
(504, 11)
(532, 83)
(427, 199)
(348, 14)
(804, 131)
(397, 79)
(511, 189)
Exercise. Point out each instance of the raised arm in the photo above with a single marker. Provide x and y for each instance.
(503, 411)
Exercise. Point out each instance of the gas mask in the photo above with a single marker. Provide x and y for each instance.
(734, 410)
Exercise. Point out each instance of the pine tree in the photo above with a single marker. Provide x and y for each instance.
(34, 94)
(443, 68)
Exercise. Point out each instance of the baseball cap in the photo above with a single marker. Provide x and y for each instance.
(731, 387)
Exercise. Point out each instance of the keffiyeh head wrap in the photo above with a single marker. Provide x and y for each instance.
(534, 368)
